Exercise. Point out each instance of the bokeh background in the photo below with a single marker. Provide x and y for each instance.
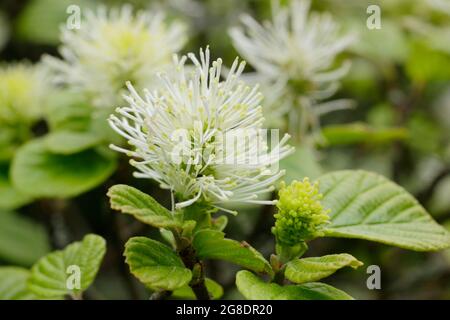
(399, 82)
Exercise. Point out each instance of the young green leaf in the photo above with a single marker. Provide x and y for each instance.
(368, 206)
(254, 288)
(211, 244)
(219, 223)
(10, 197)
(67, 111)
(140, 205)
(201, 214)
(155, 264)
(167, 235)
(185, 292)
(58, 175)
(52, 275)
(22, 241)
(316, 268)
(13, 284)
(70, 142)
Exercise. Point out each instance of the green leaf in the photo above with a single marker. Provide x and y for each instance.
(167, 235)
(50, 275)
(200, 213)
(302, 163)
(362, 133)
(13, 284)
(219, 223)
(67, 111)
(215, 290)
(155, 264)
(70, 142)
(188, 228)
(140, 205)
(12, 135)
(316, 268)
(368, 206)
(211, 244)
(38, 172)
(22, 241)
(10, 197)
(254, 288)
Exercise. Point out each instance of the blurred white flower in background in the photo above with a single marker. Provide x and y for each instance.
(294, 60)
(442, 5)
(23, 94)
(23, 90)
(114, 46)
(190, 8)
(197, 104)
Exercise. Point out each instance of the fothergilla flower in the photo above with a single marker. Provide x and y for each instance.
(178, 134)
(294, 60)
(301, 215)
(114, 46)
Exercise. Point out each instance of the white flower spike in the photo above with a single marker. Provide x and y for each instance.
(193, 114)
(293, 55)
(114, 46)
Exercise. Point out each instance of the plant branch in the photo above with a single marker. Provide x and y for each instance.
(160, 295)
(279, 276)
(76, 296)
(191, 261)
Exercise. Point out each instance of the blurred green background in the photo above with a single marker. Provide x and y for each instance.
(399, 81)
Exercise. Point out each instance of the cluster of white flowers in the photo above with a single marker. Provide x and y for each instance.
(113, 47)
(294, 57)
(197, 102)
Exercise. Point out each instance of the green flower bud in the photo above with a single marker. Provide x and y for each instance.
(300, 215)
